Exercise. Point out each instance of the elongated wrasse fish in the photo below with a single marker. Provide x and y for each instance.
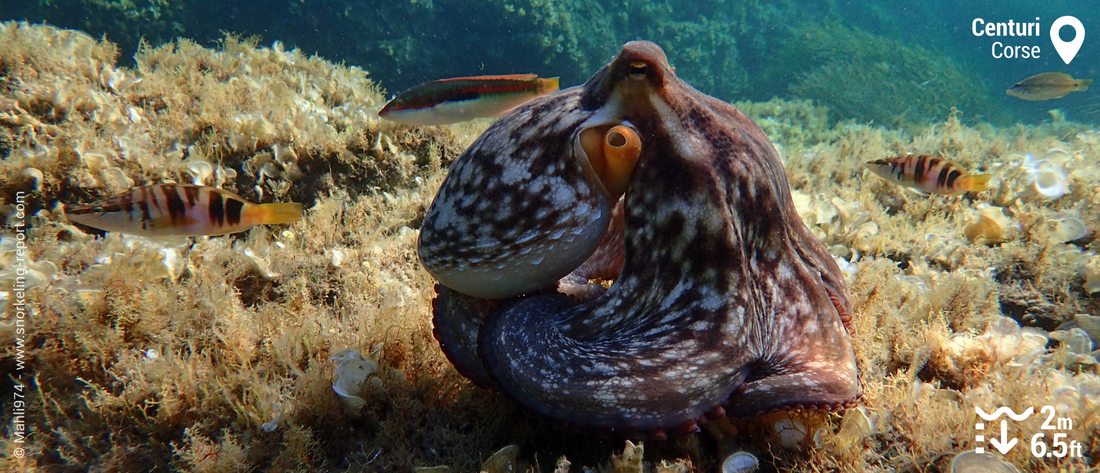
(180, 210)
(928, 174)
(1048, 86)
(446, 101)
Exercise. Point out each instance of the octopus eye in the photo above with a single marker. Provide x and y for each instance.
(638, 69)
(99, 210)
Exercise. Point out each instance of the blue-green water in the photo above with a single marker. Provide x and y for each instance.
(871, 61)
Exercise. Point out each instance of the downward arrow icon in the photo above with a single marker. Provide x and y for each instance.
(1004, 444)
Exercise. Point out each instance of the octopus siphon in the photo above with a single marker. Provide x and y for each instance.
(626, 255)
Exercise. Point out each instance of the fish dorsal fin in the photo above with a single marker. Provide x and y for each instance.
(490, 77)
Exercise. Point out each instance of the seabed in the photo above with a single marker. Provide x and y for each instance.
(221, 354)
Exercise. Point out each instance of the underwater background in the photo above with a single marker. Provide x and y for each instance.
(865, 60)
(220, 354)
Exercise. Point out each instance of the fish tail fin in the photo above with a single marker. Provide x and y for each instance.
(278, 213)
(974, 182)
(1084, 84)
(551, 84)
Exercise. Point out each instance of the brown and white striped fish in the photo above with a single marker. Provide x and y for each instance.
(180, 210)
(446, 101)
(928, 174)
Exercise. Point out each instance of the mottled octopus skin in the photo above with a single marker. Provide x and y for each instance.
(725, 299)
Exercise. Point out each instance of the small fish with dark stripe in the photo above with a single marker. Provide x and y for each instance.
(930, 174)
(446, 101)
(180, 210)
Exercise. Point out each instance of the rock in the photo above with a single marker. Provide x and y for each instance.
(1029, 307)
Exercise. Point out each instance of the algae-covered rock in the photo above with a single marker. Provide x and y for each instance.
(267, 123)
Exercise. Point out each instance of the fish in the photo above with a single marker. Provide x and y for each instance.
(458, 99)
(1048, 86)
(929, 174)
(180, 210)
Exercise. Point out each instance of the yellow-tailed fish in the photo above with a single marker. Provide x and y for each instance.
(1047, 86)
(446, 101)
(180, 210)
(928, 174)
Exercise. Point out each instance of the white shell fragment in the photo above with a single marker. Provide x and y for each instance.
(740, 462)
(154, 258)
(1069, 229)
(352, 369)
(261, 264)
(503, 461)
(1051, 182)
(1090, 324)
(200, 171)
(1075, 340)
(337, 256)
(856, 423)
(791, 432)
(1048, 178)
(972, 462)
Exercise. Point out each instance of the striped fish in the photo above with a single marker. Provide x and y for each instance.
(180, 210)
(446, 101)
(928, 174)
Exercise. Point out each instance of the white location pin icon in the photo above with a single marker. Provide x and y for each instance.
(1067, 49)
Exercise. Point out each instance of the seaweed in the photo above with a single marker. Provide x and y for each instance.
(871, 78)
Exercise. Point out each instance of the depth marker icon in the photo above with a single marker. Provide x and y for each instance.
(1003, 443)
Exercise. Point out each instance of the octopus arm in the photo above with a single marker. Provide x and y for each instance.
(458, 319)
(628, 376)
(806, 359)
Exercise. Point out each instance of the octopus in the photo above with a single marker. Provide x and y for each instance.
(625, 255)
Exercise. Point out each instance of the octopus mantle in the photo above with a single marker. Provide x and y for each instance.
(720, 300)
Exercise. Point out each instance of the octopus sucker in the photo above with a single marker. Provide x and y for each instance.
(718, 300)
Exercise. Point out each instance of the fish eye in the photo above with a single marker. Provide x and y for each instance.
(638, 69)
